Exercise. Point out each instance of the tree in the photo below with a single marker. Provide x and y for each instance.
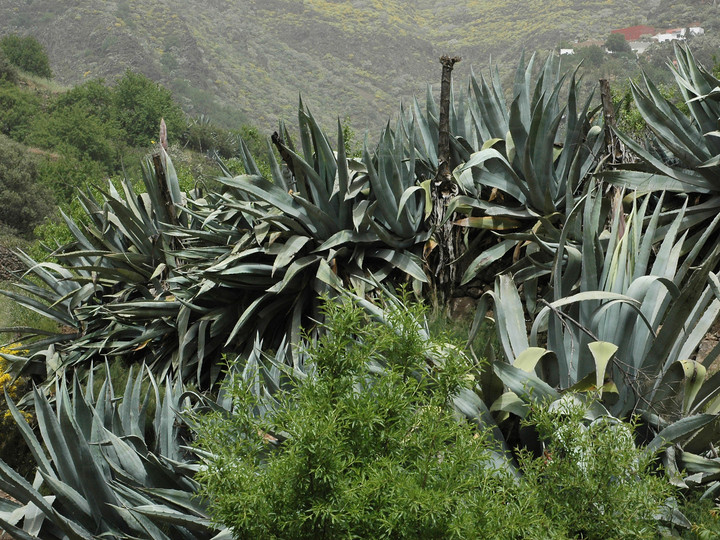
(27, 53)
(73, 131)
(139, 105)
(592, 56)
(25, 202)
(616, 43)
(94, 96)
(17, 111)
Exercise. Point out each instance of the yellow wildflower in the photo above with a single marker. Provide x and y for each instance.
(13, 389)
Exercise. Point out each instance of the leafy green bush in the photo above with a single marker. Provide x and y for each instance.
(592, 481)
(366, 447)
(202, 135)
(616, 43)
(27, 53)
(68, 173)
(704, 516)
(25, 203)
(94, 96)
(8, 72)
(139, 104)
(17, 110)
(75, 132)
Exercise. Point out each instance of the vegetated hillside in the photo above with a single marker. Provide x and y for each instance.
(250, 59)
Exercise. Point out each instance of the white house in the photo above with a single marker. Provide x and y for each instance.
(662, 38)
(566, 51)
(673, 34)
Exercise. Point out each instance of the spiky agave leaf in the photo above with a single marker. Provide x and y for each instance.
(147, 281)
(103, 469)
(122, 255)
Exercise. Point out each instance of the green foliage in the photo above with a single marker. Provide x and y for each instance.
(17, 111)
(628, 118)
(704, 517)
(78, 134)
(257, 145)
(352, 147)
(65, 174)
(620, 294)
(8, 72)
(616, 43)
(94, 97)
(591, 55)
(25, 202)
(364, 447)
(202, 135)
(592, 481)
(27, 53)
(139, 105)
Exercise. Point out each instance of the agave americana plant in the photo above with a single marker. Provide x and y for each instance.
(177, 279)
(621, 322)
(102, 471)
(684, 157)
(519, 168)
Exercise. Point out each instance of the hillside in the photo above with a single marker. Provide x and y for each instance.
(249, 60)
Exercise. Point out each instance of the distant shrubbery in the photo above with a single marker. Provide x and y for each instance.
(25, 203)
(8, 72)
(89, 134)
(27, 53)
(137, 106)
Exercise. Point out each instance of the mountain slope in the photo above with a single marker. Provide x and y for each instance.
(356, 58)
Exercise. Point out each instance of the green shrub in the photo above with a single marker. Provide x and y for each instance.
(704, 514)
(8, 72)
(93, 96)
(75, 132)
(355, 452)
(25, 203)
(139, 104)
(18, 108)
(68, 173)
(367, 447)
(592, 481)
(202, 135)
(27, 53)
(616, 43)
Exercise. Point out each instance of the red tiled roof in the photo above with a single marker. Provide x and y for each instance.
(633, 33)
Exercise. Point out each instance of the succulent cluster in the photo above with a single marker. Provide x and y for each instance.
(604, 287)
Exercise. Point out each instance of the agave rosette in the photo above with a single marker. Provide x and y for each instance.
(102, 470)
(622, 323)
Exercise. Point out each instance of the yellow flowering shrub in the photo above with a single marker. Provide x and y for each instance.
(15, 389)
(13, 450)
